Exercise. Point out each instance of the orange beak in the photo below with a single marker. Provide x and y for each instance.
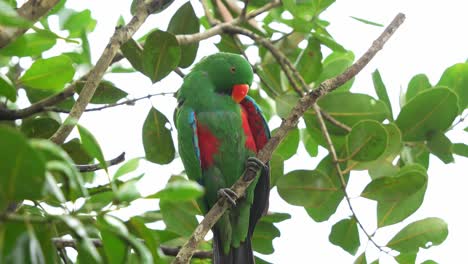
(239, 91)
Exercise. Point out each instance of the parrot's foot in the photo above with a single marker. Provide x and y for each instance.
(254, 165)
(229, 194)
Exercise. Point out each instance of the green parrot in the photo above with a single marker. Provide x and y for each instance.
(220, 128)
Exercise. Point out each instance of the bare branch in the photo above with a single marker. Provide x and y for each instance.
(95, 167)
(121, 35)
(32, 10)
(289, 123)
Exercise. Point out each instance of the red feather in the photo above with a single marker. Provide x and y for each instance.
(208, 144)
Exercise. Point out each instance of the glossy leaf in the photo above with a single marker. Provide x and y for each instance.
(309, 143)
(157, 139)
(128, 191)
(76, 151)
(420, 234)
(262, 238)
(345, 235)
(361, 259)
(285, 103)
(185, 21)
(417, 84)
(79, 22)
(273, 217)
(440, 146)
(128, 167)
(335, 64)
(114, 247)
(32, 44)
(161, 54)
(349, 109)
(49, 74)
(288, 147)
(180, 191)
(455, 78)
(367, 141)
(137, 227)
(91, 146)
(309, 62)
(396, 188)
(7, 89)
(460, 149)
(179, 217)
(40, 127)
(106, 93)
(430, 111)
(381, 91)
(305, 188)
(133, 52)
(276, 169)
(406, 258)
(20, 164)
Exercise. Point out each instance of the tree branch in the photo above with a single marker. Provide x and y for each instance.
(95, 167)
(32, 10)
(289, 123)
(61, 243)
(121, 35)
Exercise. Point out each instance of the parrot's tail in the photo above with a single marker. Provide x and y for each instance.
(241, 255)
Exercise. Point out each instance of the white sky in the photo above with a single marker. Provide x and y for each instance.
(432, 38)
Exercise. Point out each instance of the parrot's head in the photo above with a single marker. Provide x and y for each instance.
(230, 74)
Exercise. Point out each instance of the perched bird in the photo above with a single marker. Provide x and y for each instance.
(219, 129)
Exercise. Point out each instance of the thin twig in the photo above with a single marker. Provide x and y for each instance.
(120, 36)
(62, 243)
(287, 124)
(332, 120)
(95, 167)
(461, 120)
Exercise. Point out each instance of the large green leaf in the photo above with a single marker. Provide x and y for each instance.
(348, 108)
(133, 52)
(285, 103)
(429, 111)
(309, 62)
(335, 64)
(106, 93)
(157, 139)
(114, 247)
(179, 217)
(309, 143)
(39, 127)
(91, 146)
(367, 141)
(127, 167)
(417, 84)
(345, 235)
(161, 54)
(185, 21)
(76, 151)
(456, 79)
(420, 234)
(32, 44)
(7, 89)
(305, 187)
(79, 22)
(262, 238)
(180, 191)
(21, 168)
(439, 145)
(395, 188)
(381, 90)
(49, 74)
(276, 169)
(288, 147)
(137, 227)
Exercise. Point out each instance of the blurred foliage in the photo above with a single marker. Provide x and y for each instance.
(394, 150)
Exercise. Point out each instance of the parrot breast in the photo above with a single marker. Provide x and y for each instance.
(208, 144)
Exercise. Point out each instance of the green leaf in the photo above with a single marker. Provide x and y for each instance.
(417, 84)
(79, 22)
(306, 9)
(276, 169)
(9, 17)
(361, 259)
(406, 258)
(349, 109)
(106, 93)
(161, 55)
(157, 139)
(128, 191)
(429, 111)
(7, 89)
(137, 227)
(391, 212)
(331, 202)
(288, 147)
(345, 235)
(395, 188)
(420, 234)
(285, 103)
(415, 154)
(381, 91)
(335, 64)
(91, 146)
(440, 146)
(133, 52)
(39, 127)
(32, 44)
(273, 217)
(228, 44)
(309, 62)
(114, 247)
(180, 191)
(367, 141)
(185, 21)
(263, 236)
(127, 167)
(367, 21)
(460, 149)
(309, 143)
(455, 78)
(305, 188)
(20, 164)
(76, 151)
(179, 217)
(49, 74)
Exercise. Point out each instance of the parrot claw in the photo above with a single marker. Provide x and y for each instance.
(229, 194)
(254, 162)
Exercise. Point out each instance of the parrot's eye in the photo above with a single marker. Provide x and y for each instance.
(233, 69)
